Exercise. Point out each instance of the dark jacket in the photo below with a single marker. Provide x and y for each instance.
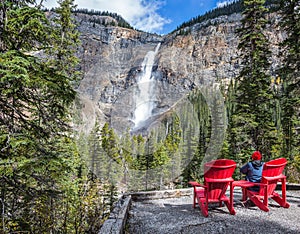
(253, 170)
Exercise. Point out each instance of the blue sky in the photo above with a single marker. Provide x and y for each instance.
(157, 16)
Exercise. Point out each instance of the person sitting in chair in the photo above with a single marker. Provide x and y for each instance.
(253, 169)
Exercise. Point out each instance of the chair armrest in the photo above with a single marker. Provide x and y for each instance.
(196, 184)
(243, 183)
(260, 184)
(274, 177)
(210, 180)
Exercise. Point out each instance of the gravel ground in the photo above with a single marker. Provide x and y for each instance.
(176, 215)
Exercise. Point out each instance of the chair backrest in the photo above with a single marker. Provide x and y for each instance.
(272, 168)
(218, 169)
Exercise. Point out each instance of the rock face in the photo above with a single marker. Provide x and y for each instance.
(112, 58)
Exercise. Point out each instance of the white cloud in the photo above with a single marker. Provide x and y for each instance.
(141, 14)
(224, 3)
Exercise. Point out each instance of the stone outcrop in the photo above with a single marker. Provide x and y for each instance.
(111, 59)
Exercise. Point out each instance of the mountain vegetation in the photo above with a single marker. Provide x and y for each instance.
(289, 75)
(120, 21)
(45, 185)
(263, 108)
(138, 162)
(230, 8)
(252, 123)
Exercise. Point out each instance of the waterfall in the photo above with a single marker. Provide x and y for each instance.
(144, 96)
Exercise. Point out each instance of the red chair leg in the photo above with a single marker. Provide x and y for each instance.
(244, 194)
(280, 200)
(258, 203)
(230, 208)
(194, 200)
(203, 208)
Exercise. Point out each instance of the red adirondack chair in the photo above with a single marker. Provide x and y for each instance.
(271, 175)
(217, 178)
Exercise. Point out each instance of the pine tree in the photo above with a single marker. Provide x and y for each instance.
(227, 151)
(38, 158)
(95, 151)
(110, 145)
(289, 73)
(64, 42)
(173, 137)
(252, 119)
(126, 152)
(199, 143)
(137, 172)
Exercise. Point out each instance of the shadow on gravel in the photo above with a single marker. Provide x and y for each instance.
(243, 225)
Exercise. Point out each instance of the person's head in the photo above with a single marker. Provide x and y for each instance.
(256, 155)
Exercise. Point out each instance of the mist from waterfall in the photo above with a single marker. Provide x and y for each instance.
(144, 97)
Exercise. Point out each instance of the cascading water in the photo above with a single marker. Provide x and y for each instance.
(144, 97)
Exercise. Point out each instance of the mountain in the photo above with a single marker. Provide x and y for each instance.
(113, 62)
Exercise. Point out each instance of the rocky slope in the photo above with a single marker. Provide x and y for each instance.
(112, 58)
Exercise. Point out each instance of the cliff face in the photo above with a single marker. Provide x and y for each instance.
(112, 62)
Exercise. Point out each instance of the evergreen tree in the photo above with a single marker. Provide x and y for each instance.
(230, 107)
(126, 152)
(137, 174)
(40, 166)
(64, 42)
(289, 72)
(194, 169)
(253, 126)
(96, 153)
(173, 137)
(110, 145)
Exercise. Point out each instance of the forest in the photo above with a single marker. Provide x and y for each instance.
(57, 180)
(230, 8)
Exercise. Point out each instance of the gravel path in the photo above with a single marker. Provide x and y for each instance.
(176, 215)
